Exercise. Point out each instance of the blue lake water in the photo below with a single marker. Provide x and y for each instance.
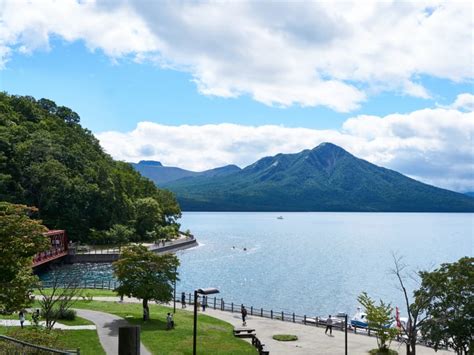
(311, 263)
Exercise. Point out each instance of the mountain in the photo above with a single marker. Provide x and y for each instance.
(160, 174)
(469, 193)
(326, 178)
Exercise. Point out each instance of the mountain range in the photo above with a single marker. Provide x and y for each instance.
(326, 178)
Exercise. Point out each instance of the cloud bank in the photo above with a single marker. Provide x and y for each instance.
(432, 145)
(332, 54)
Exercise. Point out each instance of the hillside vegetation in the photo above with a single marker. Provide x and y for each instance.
(49, 161)
(326, 178)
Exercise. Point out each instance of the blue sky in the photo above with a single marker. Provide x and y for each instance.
(204, 84)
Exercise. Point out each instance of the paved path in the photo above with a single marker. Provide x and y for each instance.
(311, 340)
(16, 323)
(107, 329)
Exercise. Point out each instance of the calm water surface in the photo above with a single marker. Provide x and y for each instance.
(311, 263)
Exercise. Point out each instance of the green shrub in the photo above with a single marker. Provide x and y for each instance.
(385, 351)
(67, 314)
(36, 336)
(285, 337)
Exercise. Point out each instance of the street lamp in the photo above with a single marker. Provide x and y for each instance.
(205, 292)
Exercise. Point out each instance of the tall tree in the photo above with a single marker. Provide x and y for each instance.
(449, 291)
(415, 308)
(146, 275)
(21, 237)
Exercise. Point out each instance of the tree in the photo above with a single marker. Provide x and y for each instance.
(380, 319)
(449, 292)
(119, 234)
(149, 215)
(415, 309)
(21, 237)
(146, 275)
(58, 296)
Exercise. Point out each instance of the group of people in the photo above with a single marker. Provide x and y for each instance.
(35, 317)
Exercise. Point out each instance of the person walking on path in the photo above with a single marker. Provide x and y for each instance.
(329, 325)
(21, 315)
(243, 311)
(183, 300)
(35, 317)
(204, 303)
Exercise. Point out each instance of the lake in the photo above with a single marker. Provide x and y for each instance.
(311, 263)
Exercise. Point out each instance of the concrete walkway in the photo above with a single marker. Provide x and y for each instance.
(16, 323)
(311, 340)
(107, 329)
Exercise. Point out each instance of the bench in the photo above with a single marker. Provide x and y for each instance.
(244, 332)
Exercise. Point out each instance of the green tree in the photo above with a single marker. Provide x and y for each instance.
(449, 291)
(380, 319)
(120, 234)
(148, 216)
(49, 161)
(21, 237)
(146, 275)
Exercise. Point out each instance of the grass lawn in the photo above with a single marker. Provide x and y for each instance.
(214, 336)
(86, 340)
(86, 292)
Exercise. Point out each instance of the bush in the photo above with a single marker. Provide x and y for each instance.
(285, 337)
(67, 314)
(385, 351)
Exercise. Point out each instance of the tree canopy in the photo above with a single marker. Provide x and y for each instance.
(21, 237)
(448, 293)
(49, 161)
(146, 275)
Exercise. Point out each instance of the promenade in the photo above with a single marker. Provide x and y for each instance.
(311, 340)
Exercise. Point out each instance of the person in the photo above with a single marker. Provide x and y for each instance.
(35, 317)
(183, 300)
(204, 303)
(243, 311)
(329, 325)
(21, 315)
(169, 321)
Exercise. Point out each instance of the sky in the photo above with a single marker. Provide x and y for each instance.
(205, 84)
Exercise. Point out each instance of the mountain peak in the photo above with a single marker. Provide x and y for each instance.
(329, 147)
(150, 163)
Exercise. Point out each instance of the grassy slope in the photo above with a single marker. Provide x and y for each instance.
(86, 340)
(86, 292)
(214, 336)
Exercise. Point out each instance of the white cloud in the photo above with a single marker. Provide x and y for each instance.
(432, 145)
(464, 102)
(282, 53)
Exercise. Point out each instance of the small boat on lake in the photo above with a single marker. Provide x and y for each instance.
(280, 217)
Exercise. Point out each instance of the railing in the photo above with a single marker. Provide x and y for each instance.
(338, 323)
(99, 285)
(24, 348)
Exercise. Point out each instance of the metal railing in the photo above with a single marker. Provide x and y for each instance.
(23, 347)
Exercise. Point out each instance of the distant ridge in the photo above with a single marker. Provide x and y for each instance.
(326, 178)
(160, 174)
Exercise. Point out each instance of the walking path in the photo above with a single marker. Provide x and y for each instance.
(107, 329)
(16, 323)
(311, 340)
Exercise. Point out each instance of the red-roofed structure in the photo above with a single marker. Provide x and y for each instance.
(58, 248)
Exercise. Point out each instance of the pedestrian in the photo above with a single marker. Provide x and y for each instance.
(35, 317)
(243, 311)
(183, 300)
(328, 325)
(21, 315)
(204, 303)
(169, 321)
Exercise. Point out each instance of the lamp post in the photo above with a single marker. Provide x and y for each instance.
(174, 292)
(200, 291)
